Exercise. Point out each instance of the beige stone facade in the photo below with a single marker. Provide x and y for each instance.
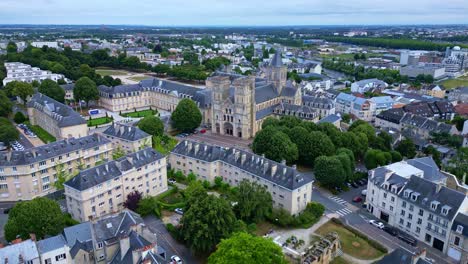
(103, 189)
(25, 175)
(127, 138)
(289, 189)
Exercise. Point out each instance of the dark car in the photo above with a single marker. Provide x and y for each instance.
(361, 182)
(357, 199)
(408, 239)
(392, 231)
(6, 211)
(354, 185)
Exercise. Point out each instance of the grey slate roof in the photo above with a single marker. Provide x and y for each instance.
(330, 119)
(265, 93)
(392, 115)
(277, 61)
(51, 243)
(299, 111)
(429, 167)
(260, 114)
(63, 114)
(68, 86)
(126, 132)
(401, 256)
(318, 102)
(80, 232)
(81, 245)
(285, 176)
(118, 225)
(94, 176)
(462, 220)
(429, 192)
(51, 150)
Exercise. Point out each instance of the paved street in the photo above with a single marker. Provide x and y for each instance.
(354, 215)
(225, 141)
(166, 241)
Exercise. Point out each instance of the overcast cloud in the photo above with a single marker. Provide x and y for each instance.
(234, 12)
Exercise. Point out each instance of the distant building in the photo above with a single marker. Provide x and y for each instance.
(290, 189)
(435, 91)
(68, 88)
(368, 85)
(40, 44)
(60, 120)
(17, 71)
(334, 119)
(435, 70)
(361, 108)
(458, 95)
(102, 190)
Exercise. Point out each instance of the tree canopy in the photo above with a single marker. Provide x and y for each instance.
(5, 105)
(52, 89)
(406, 148)
(276, 145)
(187, 116)
(151, 125)
(254, 202)
(23, 90)
(85, 90)
(40, 216)
(329, 171)
(8, 131)
(247, 249)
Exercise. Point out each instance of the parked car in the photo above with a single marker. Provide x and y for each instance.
(354, 185)
(203, 131)
(176, 260)
(377, 224)
(357, 199)
(364, 192)
(6, 210)
(171, 181)
(408, 239)
(392, 231)
(361, 182)
(179, 211)
(338, 189)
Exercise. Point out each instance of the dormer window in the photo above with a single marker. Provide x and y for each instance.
(459, 229)
(445, 209)
(434, 205)
(414, 196)
(407, 193)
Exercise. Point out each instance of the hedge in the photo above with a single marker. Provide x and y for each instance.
(373, 243)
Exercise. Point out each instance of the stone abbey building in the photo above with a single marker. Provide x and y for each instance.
(232, 104)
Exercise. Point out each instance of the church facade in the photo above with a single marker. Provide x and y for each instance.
(232, 104)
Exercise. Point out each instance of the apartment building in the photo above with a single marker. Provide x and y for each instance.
(289, 189)
(361, 108)
(17, 71)
(368, 85)
(412, 196)
(31, 173)
(322, 105)
(121, 238)
(60, 120)
(102, 190)
(128, 138)
(458, 241)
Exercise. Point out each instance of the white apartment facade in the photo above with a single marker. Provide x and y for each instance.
(17, 71)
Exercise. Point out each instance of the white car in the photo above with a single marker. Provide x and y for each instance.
(175, 259)
(179, 211)
(171, 181)
(364, 192)
(377, 224)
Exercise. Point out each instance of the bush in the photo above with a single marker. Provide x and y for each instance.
(146, 206)
(19, 118)
(375, 244)
(191, 177)
(174, 231)
(206, 184)
(306, 219)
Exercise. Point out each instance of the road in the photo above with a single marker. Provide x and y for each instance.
(354, 215)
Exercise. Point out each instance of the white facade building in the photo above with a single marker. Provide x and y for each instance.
(17, 71)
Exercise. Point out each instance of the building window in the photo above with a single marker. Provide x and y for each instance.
(403, 204)
(60, 257)
(401, 221)
(419, 221)
(100, 245)
(402, 213)
(48, 261)
(421, 212)
(456, 241)
(459, 229)
(418, 230)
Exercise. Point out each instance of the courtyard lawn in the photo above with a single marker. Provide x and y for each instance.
(454, 83)
(107, 72)
(351, 243)
(138, 78)
(340, 260)
(141, 113)
(99, 121)
(41, 133)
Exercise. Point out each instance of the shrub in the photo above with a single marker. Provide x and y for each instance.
(146, 206)
(191, 177)
(174, 231)
(19, 118)
(206, 184)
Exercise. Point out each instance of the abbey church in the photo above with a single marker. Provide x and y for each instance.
(233, 104)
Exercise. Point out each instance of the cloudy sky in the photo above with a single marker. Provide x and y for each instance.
(234, 12)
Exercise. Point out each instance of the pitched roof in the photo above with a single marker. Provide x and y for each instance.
(26, 249)
(80, 232)
(63, 114)
(270, 170)
(277, 61)
(126, 132)
(51, 243)
(461, 220)
(330, 119)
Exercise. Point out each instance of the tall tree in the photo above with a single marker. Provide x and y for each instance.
(254, 202)
(11, 47)
(85, 90)
(52, 89)
(40, 216)
(186, 116)
(8, 132)
(23, 90)
(247, 249)
(207, 220)
(406, 148)
(132, 201)
(329, 171)
(5, 105)
(151, 125)
(277, 146)
(316, 144)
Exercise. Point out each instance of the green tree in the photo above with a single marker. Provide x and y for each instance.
(270, 121)
(8, 132)
(406, 148)
(316, 144)
(5, 105)
(207, 220)
(430, 150)
(329, 171)
(280, 148)
(40, 216)
(346, 164)
(85, 90)
(396, 156)
(247, 249)
(19, 118)
(254, 202)
(186, 116)
(152, 125)
(23, 90)
(11, 47)
(118, 153)
(458, 165)
(53, 90)
(374, 158)
(458, 121)
(9, 88)
(62, 176)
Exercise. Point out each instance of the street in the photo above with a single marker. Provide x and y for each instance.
(354, 215)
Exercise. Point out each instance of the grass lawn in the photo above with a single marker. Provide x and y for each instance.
(454, 83)
(340, 260)
(41, 133)
(99, 121)
(173, 198)
(142, 113)
(106, 72)
(350, 243)
(138, 78)
(264, 227)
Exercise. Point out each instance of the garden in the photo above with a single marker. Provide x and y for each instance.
(142, 113)
(41, 133)
(99, 121)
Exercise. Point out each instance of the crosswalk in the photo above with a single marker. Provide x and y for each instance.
(344, 211)
(337, 199)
